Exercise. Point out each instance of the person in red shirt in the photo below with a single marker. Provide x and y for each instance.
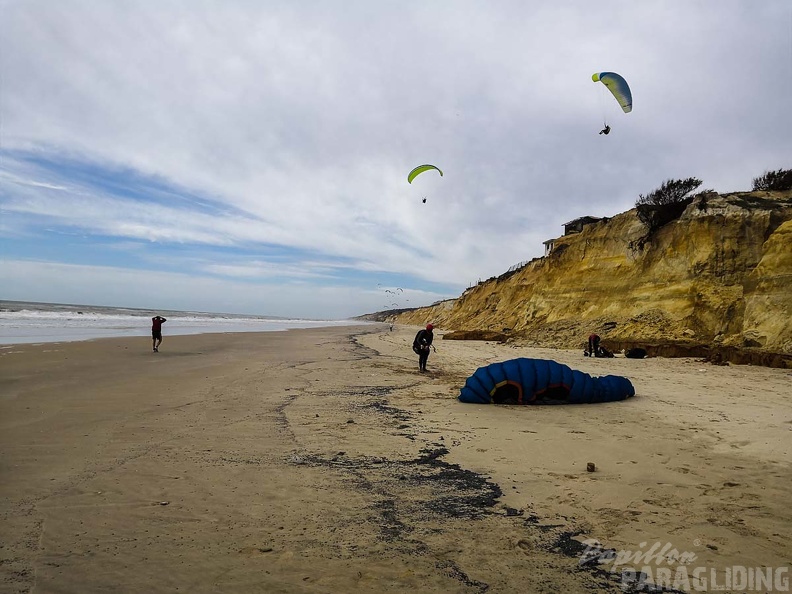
(594, 345)
(156, 331)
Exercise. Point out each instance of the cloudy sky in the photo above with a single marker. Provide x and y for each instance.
(251, 156)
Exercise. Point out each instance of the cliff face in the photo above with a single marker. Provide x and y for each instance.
(720, 275)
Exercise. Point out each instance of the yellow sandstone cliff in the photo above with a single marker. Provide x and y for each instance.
(718, 278)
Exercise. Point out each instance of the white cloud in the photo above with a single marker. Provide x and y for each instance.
(294, 124)
(98, 285)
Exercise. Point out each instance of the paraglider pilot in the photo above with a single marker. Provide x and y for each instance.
(422, 344)
(605, 130)
(593, 345)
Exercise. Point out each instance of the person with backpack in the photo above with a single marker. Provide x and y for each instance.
(422, 344)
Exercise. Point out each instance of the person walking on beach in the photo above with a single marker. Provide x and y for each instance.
(422, 344)
(156, 331)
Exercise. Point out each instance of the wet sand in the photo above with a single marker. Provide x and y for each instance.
(321, 461)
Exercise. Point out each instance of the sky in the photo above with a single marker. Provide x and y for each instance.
(252, 156)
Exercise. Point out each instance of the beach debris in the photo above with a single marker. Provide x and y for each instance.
(250, 551)
(164, 502)
(449, 490)
(636, 353)
(591, 467)
(566, 544)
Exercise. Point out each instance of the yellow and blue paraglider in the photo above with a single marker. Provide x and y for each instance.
(618, 88)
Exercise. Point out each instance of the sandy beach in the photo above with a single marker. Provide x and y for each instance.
(320, 460)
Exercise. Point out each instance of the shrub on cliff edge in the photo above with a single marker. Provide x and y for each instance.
(774, 180)
(666, 203)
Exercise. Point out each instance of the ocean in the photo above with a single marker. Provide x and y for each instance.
(25, 322)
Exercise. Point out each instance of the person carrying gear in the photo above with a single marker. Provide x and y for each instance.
(422, 344)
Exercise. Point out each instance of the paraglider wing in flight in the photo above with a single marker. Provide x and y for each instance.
(420, 169)
(617, 86)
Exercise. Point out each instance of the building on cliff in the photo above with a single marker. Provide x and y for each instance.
(576, 225)
(573, 226)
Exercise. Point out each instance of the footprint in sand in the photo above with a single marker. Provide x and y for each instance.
(525, 545)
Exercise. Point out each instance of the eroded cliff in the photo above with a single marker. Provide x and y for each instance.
(720, 275)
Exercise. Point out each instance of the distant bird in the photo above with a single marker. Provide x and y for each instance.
(423, 200)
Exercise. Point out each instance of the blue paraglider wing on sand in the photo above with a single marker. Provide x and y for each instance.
(541, 381)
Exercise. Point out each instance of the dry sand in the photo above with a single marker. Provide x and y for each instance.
(322, 461)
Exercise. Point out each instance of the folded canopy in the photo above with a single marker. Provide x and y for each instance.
(541, 381)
